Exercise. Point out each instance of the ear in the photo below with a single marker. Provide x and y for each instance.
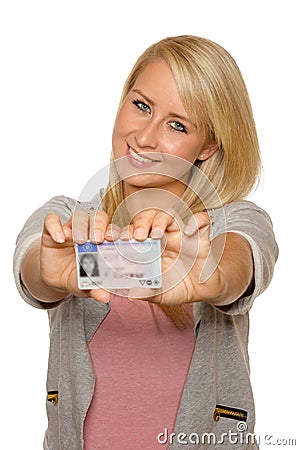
(207, 151)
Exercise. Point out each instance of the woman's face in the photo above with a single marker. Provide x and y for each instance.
(88, 264)
(154, 136)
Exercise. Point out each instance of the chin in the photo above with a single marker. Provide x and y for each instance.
(149, 180)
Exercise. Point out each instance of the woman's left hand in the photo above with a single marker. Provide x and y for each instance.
(189, 266)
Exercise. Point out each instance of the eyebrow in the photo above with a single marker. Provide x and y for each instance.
(186, 119)
(143, 95)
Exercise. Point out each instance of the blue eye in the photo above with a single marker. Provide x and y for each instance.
(142, 106)
(177, 126)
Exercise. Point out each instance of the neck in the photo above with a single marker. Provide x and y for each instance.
(162, 198)
(175, 188)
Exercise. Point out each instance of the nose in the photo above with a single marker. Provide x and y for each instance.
(147, 135)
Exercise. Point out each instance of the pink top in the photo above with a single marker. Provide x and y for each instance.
(141, 362)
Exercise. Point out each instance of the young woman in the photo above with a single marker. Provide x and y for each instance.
(166, 368)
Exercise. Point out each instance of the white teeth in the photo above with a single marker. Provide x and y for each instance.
(138, 157)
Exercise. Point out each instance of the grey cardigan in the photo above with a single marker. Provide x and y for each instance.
(217, 408)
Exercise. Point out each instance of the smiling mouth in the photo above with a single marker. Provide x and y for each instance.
(141, 159)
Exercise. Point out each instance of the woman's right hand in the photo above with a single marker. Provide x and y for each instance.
(57, 253)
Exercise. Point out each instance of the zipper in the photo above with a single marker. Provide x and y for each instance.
(230, 413)
(53, 397)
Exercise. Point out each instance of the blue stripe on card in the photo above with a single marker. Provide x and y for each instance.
(88, 247)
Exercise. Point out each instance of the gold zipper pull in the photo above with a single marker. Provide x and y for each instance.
(216, 415)
(230, 413)
(53, 397)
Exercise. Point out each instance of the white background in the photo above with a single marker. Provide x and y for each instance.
(63, 64)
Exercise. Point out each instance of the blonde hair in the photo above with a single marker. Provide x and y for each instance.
(214, 95)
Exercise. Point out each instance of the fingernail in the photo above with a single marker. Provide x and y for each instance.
(140, 233)
(124, 235)
(112, 234)
(98, 236)
(189, 230)
(134, 299)
(59, 237)
(115, 235)
(157, 233)
(80, 237)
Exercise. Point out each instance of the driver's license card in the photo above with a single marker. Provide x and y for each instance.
(119, 264)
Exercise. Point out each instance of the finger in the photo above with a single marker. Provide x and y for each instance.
(112, 232)
(142, 223)
(126, 233)
(198, 222)
(53, 227)
(67, 227)
(160, 223)
(100, 295)
(80, 226)
(98, 225)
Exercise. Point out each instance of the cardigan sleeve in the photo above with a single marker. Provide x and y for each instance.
(255, 225)
(31, 231)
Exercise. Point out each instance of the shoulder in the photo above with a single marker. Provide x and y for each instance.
(61, 202)
(68, 205)
(238, 216)
(246, 208)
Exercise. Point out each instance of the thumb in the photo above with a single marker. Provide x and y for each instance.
(100, 295)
